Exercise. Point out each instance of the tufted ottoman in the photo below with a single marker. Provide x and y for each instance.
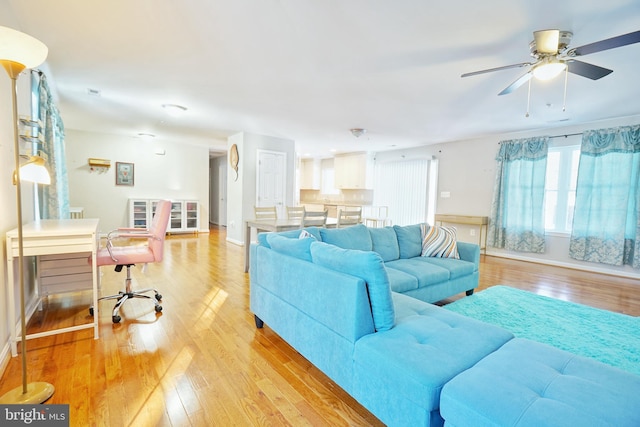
(526, 383)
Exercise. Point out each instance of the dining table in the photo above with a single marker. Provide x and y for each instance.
(274, 225)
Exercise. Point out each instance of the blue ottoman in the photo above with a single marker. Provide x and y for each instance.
(526, 383)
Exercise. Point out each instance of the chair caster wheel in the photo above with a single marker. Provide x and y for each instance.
(91, 311)
(158, 308)
(159, 297)
(116, 319)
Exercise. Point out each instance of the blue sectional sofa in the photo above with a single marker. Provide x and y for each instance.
(358, 309)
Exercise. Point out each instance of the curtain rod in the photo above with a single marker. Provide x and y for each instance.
(566, 135)
(560, 136)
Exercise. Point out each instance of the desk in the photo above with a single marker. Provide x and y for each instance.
(480, 221)
(272, 225)
(49, 237)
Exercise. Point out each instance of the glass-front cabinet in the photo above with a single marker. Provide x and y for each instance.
(185, 214)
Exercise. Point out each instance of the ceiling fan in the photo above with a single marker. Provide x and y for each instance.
(552, 56)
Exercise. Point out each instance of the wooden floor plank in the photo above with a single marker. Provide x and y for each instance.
(202, 362)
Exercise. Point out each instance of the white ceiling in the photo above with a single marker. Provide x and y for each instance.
(309, 70)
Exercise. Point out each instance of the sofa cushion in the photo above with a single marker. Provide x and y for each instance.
(439, 241)
(409, 240)
(293, 234)
(298, 248)
(399, 281)
(425, 272)
(526, 383)
(354, 237)
(425, 350)
(366, 265)
(457, 267)
(385, 242)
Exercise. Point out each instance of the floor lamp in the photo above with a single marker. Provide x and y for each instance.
(19, 51)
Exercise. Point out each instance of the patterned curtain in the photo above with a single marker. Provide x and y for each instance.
(54, 198)
(606, 227)
(517, 211)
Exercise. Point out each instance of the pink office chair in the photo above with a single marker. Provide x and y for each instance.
(127, 256)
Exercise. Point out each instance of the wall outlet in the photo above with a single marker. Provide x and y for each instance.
(472, 232)
(445, 194)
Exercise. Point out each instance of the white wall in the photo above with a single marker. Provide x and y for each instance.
(241, 193)
(467, 172)
(181, 173)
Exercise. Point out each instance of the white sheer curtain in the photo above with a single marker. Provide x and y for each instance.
(407, 187)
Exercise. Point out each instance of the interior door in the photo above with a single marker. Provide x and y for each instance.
(272, 178)
(222, 193)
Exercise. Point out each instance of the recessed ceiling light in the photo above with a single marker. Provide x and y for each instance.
(174, 109)
(146, 136)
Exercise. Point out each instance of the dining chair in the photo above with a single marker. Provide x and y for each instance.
(314, 219)
(132, 254)
(348, 217)
(265, 212)
(375, 216)
(295, 212)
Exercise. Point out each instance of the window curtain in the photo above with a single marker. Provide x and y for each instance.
(517, 211)
(54, 198)
(605, 222)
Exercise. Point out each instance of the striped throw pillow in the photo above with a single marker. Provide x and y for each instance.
(439, 241)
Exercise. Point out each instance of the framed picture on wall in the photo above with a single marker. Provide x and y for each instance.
(124, 173)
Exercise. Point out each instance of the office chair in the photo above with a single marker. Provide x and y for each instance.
(265, 212)
(314, 219)
(347, 217)
(127, 256)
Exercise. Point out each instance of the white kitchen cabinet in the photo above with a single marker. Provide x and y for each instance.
(353, 171)
(310, 174)
(185, 214)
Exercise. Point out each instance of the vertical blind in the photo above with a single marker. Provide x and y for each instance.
(404, 186)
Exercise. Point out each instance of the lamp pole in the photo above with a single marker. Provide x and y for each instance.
(38, 392)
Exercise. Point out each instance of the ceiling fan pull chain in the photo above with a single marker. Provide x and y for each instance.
(528, 99)
(566, 79)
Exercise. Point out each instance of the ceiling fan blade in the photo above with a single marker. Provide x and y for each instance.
(547, 41)
(607, 44)
(589, 71)
(515, 85)
(490, 70)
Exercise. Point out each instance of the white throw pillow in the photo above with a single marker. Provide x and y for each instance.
(439, 241)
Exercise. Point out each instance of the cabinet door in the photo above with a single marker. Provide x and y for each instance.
(352, 171)
(191, 215)
(139, 214)
(175, 222)
(310, 174)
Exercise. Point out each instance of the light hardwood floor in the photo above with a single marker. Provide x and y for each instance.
(202, 362)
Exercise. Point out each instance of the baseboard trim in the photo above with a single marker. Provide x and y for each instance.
(626, 275)
(235, 242)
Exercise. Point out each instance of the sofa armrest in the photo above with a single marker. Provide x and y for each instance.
(469, 252)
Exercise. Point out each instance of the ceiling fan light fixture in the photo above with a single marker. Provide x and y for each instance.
(358, 132)
(549, 70)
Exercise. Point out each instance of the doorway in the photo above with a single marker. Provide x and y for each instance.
(271, 180)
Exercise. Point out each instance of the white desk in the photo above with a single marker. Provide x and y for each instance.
(46, 237)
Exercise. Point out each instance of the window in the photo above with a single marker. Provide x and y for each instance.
(407, 188)
(560, 188)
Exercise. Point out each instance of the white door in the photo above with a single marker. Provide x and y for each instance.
(271, 180)
(222, 193)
